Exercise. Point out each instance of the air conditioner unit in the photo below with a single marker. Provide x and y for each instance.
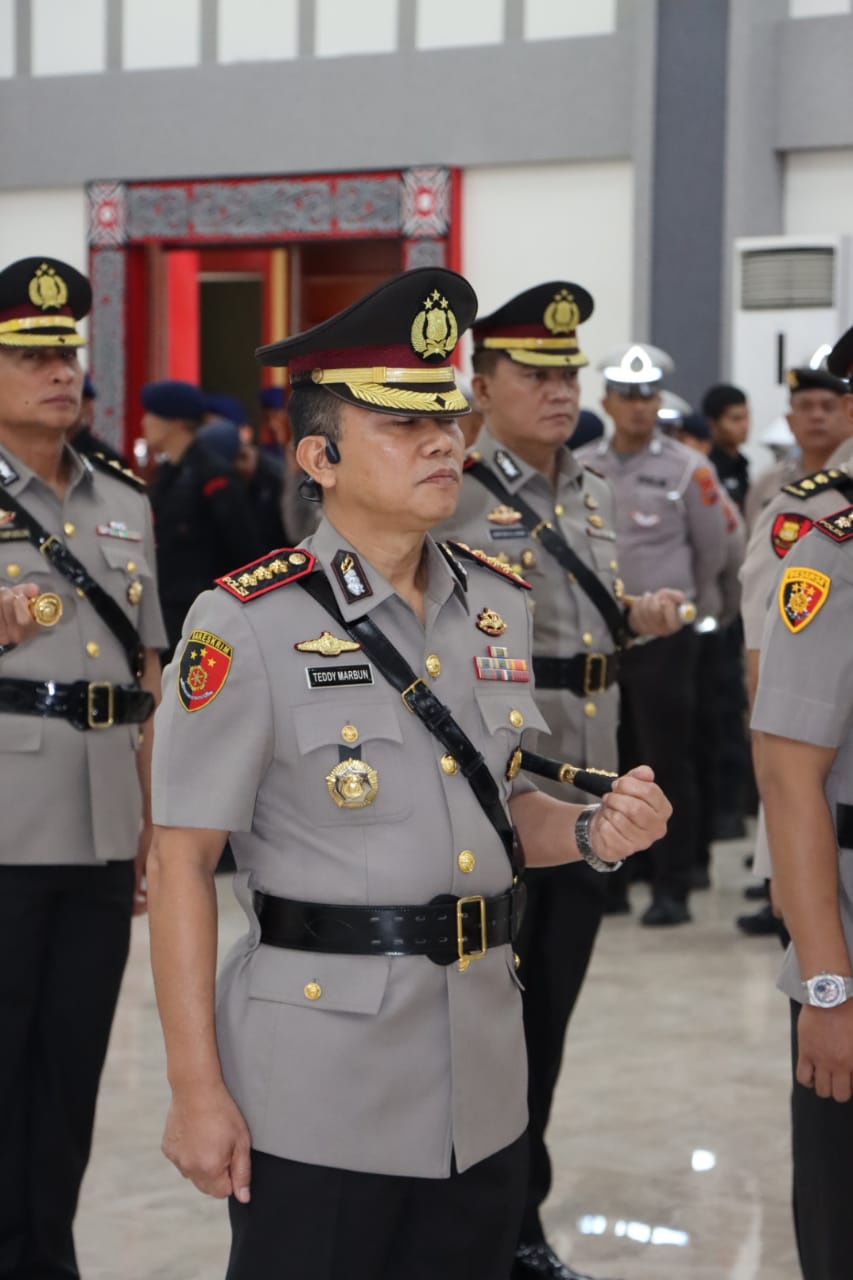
(791, 295)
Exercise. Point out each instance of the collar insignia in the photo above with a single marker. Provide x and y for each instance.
(506, 465)
(352, 578)
(327, 645)
(7, 473)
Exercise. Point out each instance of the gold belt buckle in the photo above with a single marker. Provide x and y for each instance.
(90, 705)
(409, 689)
(46, 545)
(465, 957)
(595, 679)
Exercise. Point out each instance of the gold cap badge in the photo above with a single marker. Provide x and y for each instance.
(47, 288)
(434, 329)
(562, 315)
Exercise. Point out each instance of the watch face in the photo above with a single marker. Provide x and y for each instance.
(827, 991)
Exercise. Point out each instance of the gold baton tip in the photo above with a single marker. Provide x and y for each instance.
(687, 611)
(46, 609)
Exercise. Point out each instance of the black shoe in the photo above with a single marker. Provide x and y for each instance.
(616, 907)
(729, 826)
(757, 892)
(665, 910)
(540, 1260)
(700, 878)
(762, 924)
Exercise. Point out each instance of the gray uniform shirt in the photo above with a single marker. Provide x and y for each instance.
(772, 535)
(72, 796)
(398, 1062)
(565, 621)
(670, 523)
(805, 692)
(764, 488)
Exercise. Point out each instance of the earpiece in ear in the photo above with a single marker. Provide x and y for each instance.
(332, 452)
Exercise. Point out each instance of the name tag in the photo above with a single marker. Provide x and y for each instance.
(508, 531)
(328, 677)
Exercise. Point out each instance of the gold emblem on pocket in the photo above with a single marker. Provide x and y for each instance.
(353, 784)
(134, 592)
(46, 609)
(491, 622)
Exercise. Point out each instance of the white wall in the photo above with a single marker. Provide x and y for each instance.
(256, 31)
(68, 39)
(819, 191)
(524, 224)
(49, 222)
(817, 8)
(354, 26)
(160, 33)
(557, 19)
(7, 37)
(444, 24)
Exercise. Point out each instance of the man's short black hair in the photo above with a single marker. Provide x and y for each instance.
(314, 412)
(485, 361)
(719, 398)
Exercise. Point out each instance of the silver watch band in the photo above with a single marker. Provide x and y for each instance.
(582, 840)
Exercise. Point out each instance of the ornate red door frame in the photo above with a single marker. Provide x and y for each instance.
(419, 206)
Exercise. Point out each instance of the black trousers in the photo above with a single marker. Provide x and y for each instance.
(309, 1222)
(64, 936)
(561, 920)
(658, 720)
(822, 1141)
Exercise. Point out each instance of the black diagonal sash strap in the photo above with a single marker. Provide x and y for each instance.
(555, 544)
(67, 564)
(422, 702)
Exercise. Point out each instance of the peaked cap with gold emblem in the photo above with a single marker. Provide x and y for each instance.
(41, 299)
(840, 359)
(808, 379)
(539, 326)
(390, 351)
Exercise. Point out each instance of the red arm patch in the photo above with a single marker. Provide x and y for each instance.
(210, 487)
(707, 483)
(788, 528)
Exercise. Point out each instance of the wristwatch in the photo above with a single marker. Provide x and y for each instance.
(827, 990)
(585, 849)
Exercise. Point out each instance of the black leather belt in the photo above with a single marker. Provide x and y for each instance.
(84, 704)
(583, 674)
(445, 929)
(844, 825)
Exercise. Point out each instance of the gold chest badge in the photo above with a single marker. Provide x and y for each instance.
(504, 515)
(327, 645)
(353, 784)
(434, 329)
(491, 622)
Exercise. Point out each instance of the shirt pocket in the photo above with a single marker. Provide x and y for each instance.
(318, 981)
(20, 733)
(20, 562)
(131, 575)
(507, 711)
(351, 761)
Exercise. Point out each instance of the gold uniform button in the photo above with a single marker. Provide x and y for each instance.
(93, 649)
(517, 958)
(349, 733)
(13, 570)
(433, 665)
(297, 558)
(69, 529)
(596, 522)
(587, 638)
(81, 593)
(590, 710)
(516, 719)
(449, 764)
(559, 509)
(466, 861)
(614, 565)
(312, 991)
(131, 566)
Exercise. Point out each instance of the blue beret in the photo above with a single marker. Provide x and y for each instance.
(224, 407)
(272, 398)
(173, 400)
(589, 427)
(221, 437)
(89, 389)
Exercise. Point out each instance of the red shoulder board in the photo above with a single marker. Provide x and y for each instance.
(271, 571)
(471, 458)
(839, 527)
(490, 562)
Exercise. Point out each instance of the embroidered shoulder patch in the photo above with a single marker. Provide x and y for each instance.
(490, 562)
(802, 595)
(204, 667)
(271, 571)
(839, 526)
(704, 477)
(818, 482)
(788, 528)
(112, 467)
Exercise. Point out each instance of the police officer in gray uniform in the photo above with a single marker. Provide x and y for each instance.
(670, 531)
(80, 627)
(527, 502)
(803, 731)
(367, 1045)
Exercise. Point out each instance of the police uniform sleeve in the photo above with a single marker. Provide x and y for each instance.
(706, 526)
(805, 688)
(213, 732)
(152, 630)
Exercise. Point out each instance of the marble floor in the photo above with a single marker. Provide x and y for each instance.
(669, 1136)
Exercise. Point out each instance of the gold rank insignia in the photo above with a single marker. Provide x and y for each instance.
(802, 595)
(434, 329)
(327, 645)
(490, 562)
(48, 289)
(839, 527)
(203, 669)
(817, 482)
(504, 515)
(268, 573)
(562, 315)
(353, 784)
(490, 622)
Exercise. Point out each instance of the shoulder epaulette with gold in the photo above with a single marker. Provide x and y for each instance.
(271, 571)
(489, 562)
(818, 482)
(839, 526)
(471, 458)
(113, 468)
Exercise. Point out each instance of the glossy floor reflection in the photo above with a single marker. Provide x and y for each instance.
(669, 1137)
